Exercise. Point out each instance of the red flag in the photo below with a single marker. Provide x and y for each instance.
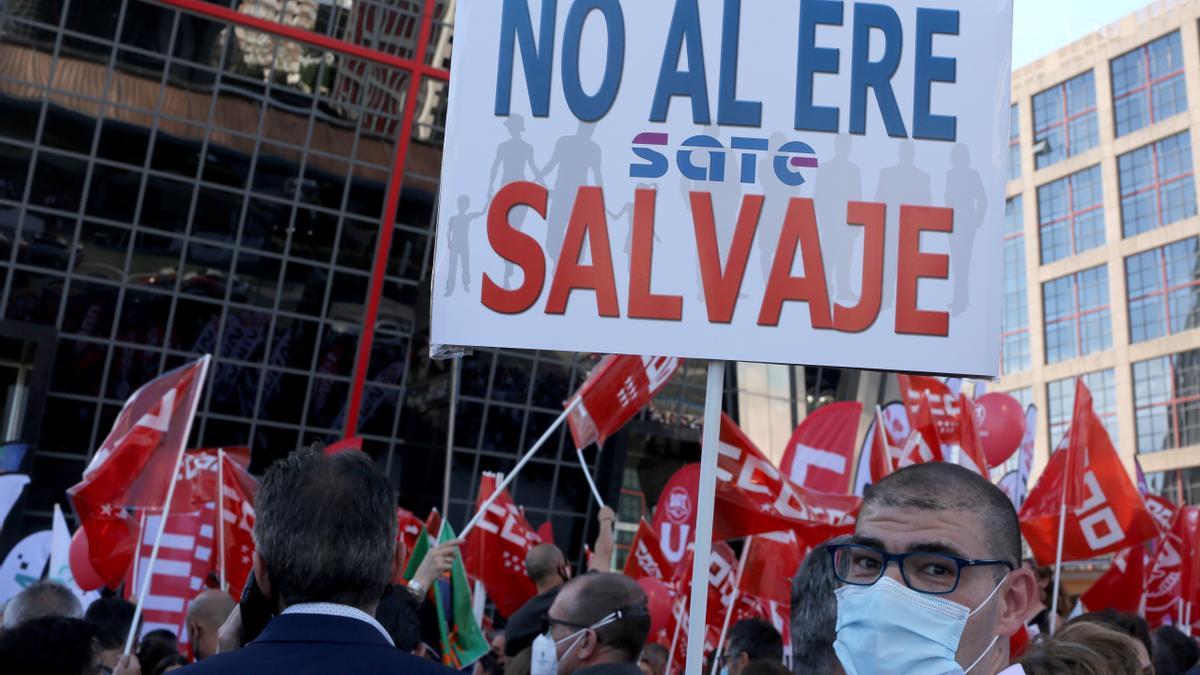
(236, 539)
(753, 497)
(1078, 443)
(646, 558)
(972, 455)
(722, 577)
(433, 523)
(134, 466)
(1163, 510)
(408, 528)
(884, 453)
(771, 561)
(1111, 516)
(1122, 586)
(183, 563)
(820, 452)
(943, 403)
(1172, 581)
(495, 549)
(923, 444)
(675, 514)
(197, 484)
(617, 388)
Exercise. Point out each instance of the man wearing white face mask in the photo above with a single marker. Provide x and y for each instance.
(933, 581)
(597, 626)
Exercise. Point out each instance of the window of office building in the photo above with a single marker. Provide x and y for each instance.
(1014, 142)
(1015, 317)
(1157, 186)
(1064, 116)
(1164, 290)
(1077, 314)
(1166, 401)
(1060, 395)
(1181, 486)
(1149, 84)
(1071, 215)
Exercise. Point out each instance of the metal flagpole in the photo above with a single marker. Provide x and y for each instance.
(221, 515)
(697, 624)
(454, 375)
(588, 475)
(737, 590)
(166, 511)
(675, 609)
(521, 464)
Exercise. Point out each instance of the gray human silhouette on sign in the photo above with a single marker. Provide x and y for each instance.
(459, 244)
(964, 194)
(726, 202)
(626, 212)
(573, 158)
(512, 158)
(838, 182)
(903, 183)
(777, 195)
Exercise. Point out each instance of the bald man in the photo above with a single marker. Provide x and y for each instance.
(205, 616)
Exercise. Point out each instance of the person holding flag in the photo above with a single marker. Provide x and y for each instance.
(325, 530)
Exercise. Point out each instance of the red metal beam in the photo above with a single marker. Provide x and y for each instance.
(383, 247)
(417, 66)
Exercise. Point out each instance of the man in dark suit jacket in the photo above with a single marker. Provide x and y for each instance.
(326, 550)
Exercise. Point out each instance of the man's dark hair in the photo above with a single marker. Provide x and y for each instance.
(941, 486)
(1130, 624)
(325, 528)
(399, 612)
(112, 618)
(52, 645)
(757, 638)
(155, 646)
(814, 612)
(41, 599)
(1174, 652)
(167, 662)
(596, 595)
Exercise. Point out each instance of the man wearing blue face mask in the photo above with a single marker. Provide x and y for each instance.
(933, 580)
(597, 626)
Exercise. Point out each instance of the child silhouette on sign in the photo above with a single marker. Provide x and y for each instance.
(513, 157)
(460, 244)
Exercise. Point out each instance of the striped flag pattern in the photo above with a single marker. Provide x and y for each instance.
(185, 560)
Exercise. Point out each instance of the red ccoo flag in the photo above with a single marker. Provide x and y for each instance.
(923, 444)
(1078, 442)
(972, 455)
(884, 453)
(198, 476)
(646, 557)
(1110, 516)
(495, 549)
(1122, 587)
(618, 387)
(235, 540)
(942, 403)
(408, 528)
(134, 466)
(753, 497)
(771, 561)
(820, 452)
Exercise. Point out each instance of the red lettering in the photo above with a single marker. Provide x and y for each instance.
(642, 303)
(587, 219)
(914, 265)
(799, 230)
(721, 287)
(860, 317)
(516, 247)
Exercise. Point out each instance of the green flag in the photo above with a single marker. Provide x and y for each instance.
(463, 642)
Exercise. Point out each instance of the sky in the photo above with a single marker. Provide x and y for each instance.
(1041, 26)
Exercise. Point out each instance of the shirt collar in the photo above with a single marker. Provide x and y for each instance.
(335, 609)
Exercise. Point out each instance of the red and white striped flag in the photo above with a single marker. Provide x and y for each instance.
(185, 559)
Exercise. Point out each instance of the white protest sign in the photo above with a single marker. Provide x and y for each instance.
(790, 181)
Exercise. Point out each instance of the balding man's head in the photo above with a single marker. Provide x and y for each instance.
(42, 599)
(941, 486)
(613, 607)
(546, 566)
(205, 616)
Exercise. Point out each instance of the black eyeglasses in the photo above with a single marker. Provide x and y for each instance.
(549, 621)
(932, 573)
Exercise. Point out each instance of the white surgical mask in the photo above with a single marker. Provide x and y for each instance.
(545, 656)
(889, 628)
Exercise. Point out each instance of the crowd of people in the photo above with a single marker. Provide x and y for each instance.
(931, 581)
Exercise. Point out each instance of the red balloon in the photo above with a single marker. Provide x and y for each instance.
(660, 600)
(81, 567)
(1001, 422)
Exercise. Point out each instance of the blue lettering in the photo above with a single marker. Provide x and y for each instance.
(930, 69)
(516, 29)
(810, 60)
(787, 155)
(866, 75)
(749, 163)
(592, 108)
(716, 170)
(685, 28)
(731, 111)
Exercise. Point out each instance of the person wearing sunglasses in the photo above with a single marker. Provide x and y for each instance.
(597, 626)
(932, 581)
